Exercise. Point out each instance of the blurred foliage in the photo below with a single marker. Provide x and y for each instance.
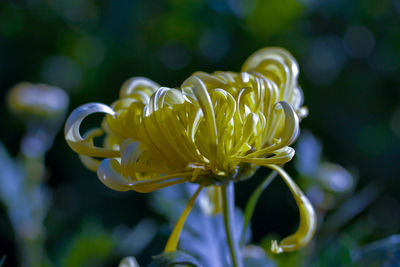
(349, 59)
(89, 247)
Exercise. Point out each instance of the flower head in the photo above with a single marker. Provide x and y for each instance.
(213, 129)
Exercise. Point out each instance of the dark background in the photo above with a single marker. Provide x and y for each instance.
(349, 58)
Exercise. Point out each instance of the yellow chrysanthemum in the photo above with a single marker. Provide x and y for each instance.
(213, 129)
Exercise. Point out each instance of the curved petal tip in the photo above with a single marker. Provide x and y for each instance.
(109, 173)
(308, 218)
(76, 141)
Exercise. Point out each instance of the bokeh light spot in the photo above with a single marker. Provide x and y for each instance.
(61, 71)
(358, 41)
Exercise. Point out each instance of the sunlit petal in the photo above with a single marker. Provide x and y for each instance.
(290, 132)
(73, 136)
(280, 156)
(201, 93)
(138, 84)
(110, 174)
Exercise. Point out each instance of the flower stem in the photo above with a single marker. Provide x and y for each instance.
(251, 204)
(228, 205)
(173, 239)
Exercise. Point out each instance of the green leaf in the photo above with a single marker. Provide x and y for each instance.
(176, 258)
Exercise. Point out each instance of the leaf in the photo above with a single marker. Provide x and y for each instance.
(176, 258)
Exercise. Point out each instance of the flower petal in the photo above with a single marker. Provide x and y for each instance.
(280, 156)
(291, 130)
(308, 218)
(89, 162)
(109, 173)
(201, 93)
(173, 239)
(136, 85)
(277, 60)
(74, 138)
(130, 152)
(146, 186)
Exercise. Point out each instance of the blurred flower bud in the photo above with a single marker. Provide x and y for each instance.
(38, 100)
(42, 108)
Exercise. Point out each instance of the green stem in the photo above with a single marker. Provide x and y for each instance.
(228, 205)
(251, 204)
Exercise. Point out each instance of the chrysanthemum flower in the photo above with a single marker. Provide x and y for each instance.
(214, 129)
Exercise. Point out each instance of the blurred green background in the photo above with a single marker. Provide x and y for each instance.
(349, 57)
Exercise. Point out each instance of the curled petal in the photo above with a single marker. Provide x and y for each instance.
(130, 154)
(203, 97)
(276, 53)
(308, 218)
(74, 138)
(89, 162)
(110, 174)
(281, 59)
(291, 130)
(209, 79)
(224, 104)
(280, 156)
(138, 84)
(165, 95)
(248, 131)
(241, 100)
